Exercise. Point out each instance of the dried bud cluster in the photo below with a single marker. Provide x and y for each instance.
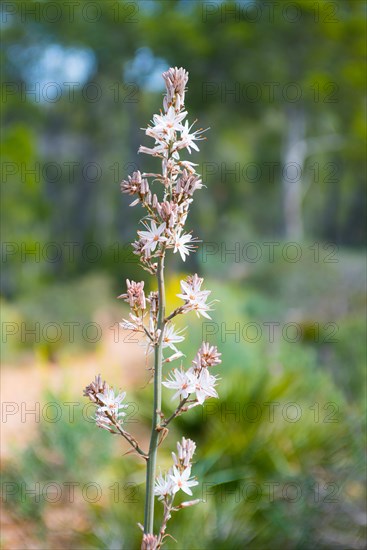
(175, 80)
(136, 185)
(109, 414)
(94, 388)
(207, 356)
(149, 542)
(135, 295)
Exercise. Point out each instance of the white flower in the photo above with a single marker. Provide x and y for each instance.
(158, 151)
(204, 385)
(183, 246)
(188, 140)
(111, 403)
(194, 297)
(183, 382)
(181, 480)
(135, 324)
(172, 337)
(200, 307)
(163, 486)
(192, 285)
(167, 124)
(152, 236)
(188, 165)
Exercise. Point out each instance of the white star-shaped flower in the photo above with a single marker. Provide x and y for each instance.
(172, 337)
(195, 298)
(204, 385)
(111, 403)
(183, 246)
(163, 486)
(181, 480)
(188, 139)
(152, 236)
(183, 382)
(167, 124)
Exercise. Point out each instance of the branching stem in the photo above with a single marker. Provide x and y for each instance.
(156, 423)
(176, 412)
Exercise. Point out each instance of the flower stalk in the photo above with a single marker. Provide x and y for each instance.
(157, 404)
(163, 230)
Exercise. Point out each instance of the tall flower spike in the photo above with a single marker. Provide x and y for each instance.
(166, 196)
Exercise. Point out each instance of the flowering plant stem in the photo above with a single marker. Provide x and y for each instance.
(157, 404)
(164, 230)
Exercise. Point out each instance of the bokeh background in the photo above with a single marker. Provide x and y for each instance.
(281, 85)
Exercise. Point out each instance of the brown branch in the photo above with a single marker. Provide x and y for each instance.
(176, 412)
(177, 311)
(128, 437)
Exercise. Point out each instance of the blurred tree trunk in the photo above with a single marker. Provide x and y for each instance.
(293, 158)
(354, 228)
(125, 220)
(295, 152)
(331, 227)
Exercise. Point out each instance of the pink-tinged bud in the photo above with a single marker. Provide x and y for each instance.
(185, 452)
(133, 184)
(175, 80)
(95, 387)
(189, 183)
(155, 202)
(148, 198)
(144, 188)
(173, 357)
(135, 294)
(189, 503)
(165, 103)
(178, 103)
(149, 542)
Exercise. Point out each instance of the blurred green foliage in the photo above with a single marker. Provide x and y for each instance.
(65, 154)
(280, 456)
(279, 459)
(57, 318)
(65, 255)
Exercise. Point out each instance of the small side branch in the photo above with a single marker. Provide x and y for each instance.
(128, 438)
(177, 311)
(166, 518)
(176, 413)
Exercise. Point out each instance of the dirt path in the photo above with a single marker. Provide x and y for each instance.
(23, 404)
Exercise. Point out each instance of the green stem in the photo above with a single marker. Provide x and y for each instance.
(156, 422)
